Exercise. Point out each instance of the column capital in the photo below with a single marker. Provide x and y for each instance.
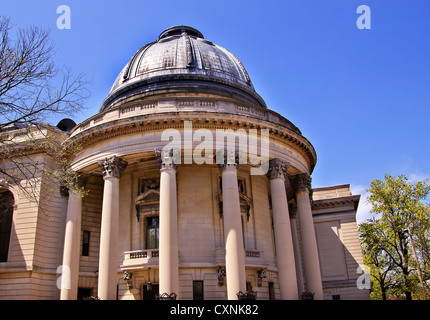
(277, 169)
(302, 182)
(77, 183)
(227, 159)
(112, 167)
(168, 158)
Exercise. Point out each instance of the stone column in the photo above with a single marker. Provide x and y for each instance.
(234, 251)
(112, 169)
(311, 261)
(168, 254)
(292, 208)
(283, 238)
(72, 244)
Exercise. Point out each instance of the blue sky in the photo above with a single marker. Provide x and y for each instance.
(361, 97)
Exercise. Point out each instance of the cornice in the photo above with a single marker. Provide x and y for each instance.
(336, 202)
(200, 119)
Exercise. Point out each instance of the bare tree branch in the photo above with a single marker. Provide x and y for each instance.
(32, 92)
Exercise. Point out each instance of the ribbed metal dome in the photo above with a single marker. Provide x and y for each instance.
(181, 60)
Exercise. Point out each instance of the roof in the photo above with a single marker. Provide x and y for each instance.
(180, 60)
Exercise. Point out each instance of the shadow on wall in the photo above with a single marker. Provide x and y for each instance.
(340, 259)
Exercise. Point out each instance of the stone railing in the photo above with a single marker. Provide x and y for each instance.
(252, 257)
(140, 258)
(252, 253)
(149, 258)
(177, 105)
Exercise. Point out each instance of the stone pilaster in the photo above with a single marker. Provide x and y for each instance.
(112, 170)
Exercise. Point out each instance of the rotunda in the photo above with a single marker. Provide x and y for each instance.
(195, 188)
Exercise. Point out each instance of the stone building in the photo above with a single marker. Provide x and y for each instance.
(168, 211)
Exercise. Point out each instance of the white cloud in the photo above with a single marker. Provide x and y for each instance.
(415, 177)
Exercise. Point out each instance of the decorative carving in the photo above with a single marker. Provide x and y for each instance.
(149, 194)
(302, 182)
(128, 277)
(112, 167)
(221, 274)
(262, 274)
(168, 158)
(148, 184)
(277, 169)
(227, 159)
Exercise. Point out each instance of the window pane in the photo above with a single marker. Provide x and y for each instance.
(197, 290)
(152, 233)
(85, 243)
(6, 212)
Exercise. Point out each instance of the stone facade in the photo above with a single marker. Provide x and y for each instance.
(198, 230)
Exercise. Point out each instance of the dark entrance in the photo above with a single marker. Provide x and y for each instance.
(150, 294)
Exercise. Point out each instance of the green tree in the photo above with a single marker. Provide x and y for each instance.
(400, 223)
(375, 258)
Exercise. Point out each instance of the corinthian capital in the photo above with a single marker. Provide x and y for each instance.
(112, 167)
(277, 169)
(302, 182)
(168, 158)
(227, 159)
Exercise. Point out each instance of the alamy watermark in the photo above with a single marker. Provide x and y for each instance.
(224, 146)
(364, 281)
(64, 21)
(64, 280)
(364, 20)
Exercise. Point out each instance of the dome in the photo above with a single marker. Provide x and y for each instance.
(182, 60)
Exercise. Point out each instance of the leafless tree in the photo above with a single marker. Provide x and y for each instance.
(33, 91)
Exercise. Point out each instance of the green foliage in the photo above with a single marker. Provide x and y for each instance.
(396, 240)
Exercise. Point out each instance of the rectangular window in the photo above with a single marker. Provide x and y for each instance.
(271, 291)
(152, 232)
(6, 213)
(85, 243)
(198, 290)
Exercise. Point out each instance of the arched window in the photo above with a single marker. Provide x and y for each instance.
(6, 211)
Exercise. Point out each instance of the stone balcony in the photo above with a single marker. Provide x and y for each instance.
(139, 259)
(253, 258)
